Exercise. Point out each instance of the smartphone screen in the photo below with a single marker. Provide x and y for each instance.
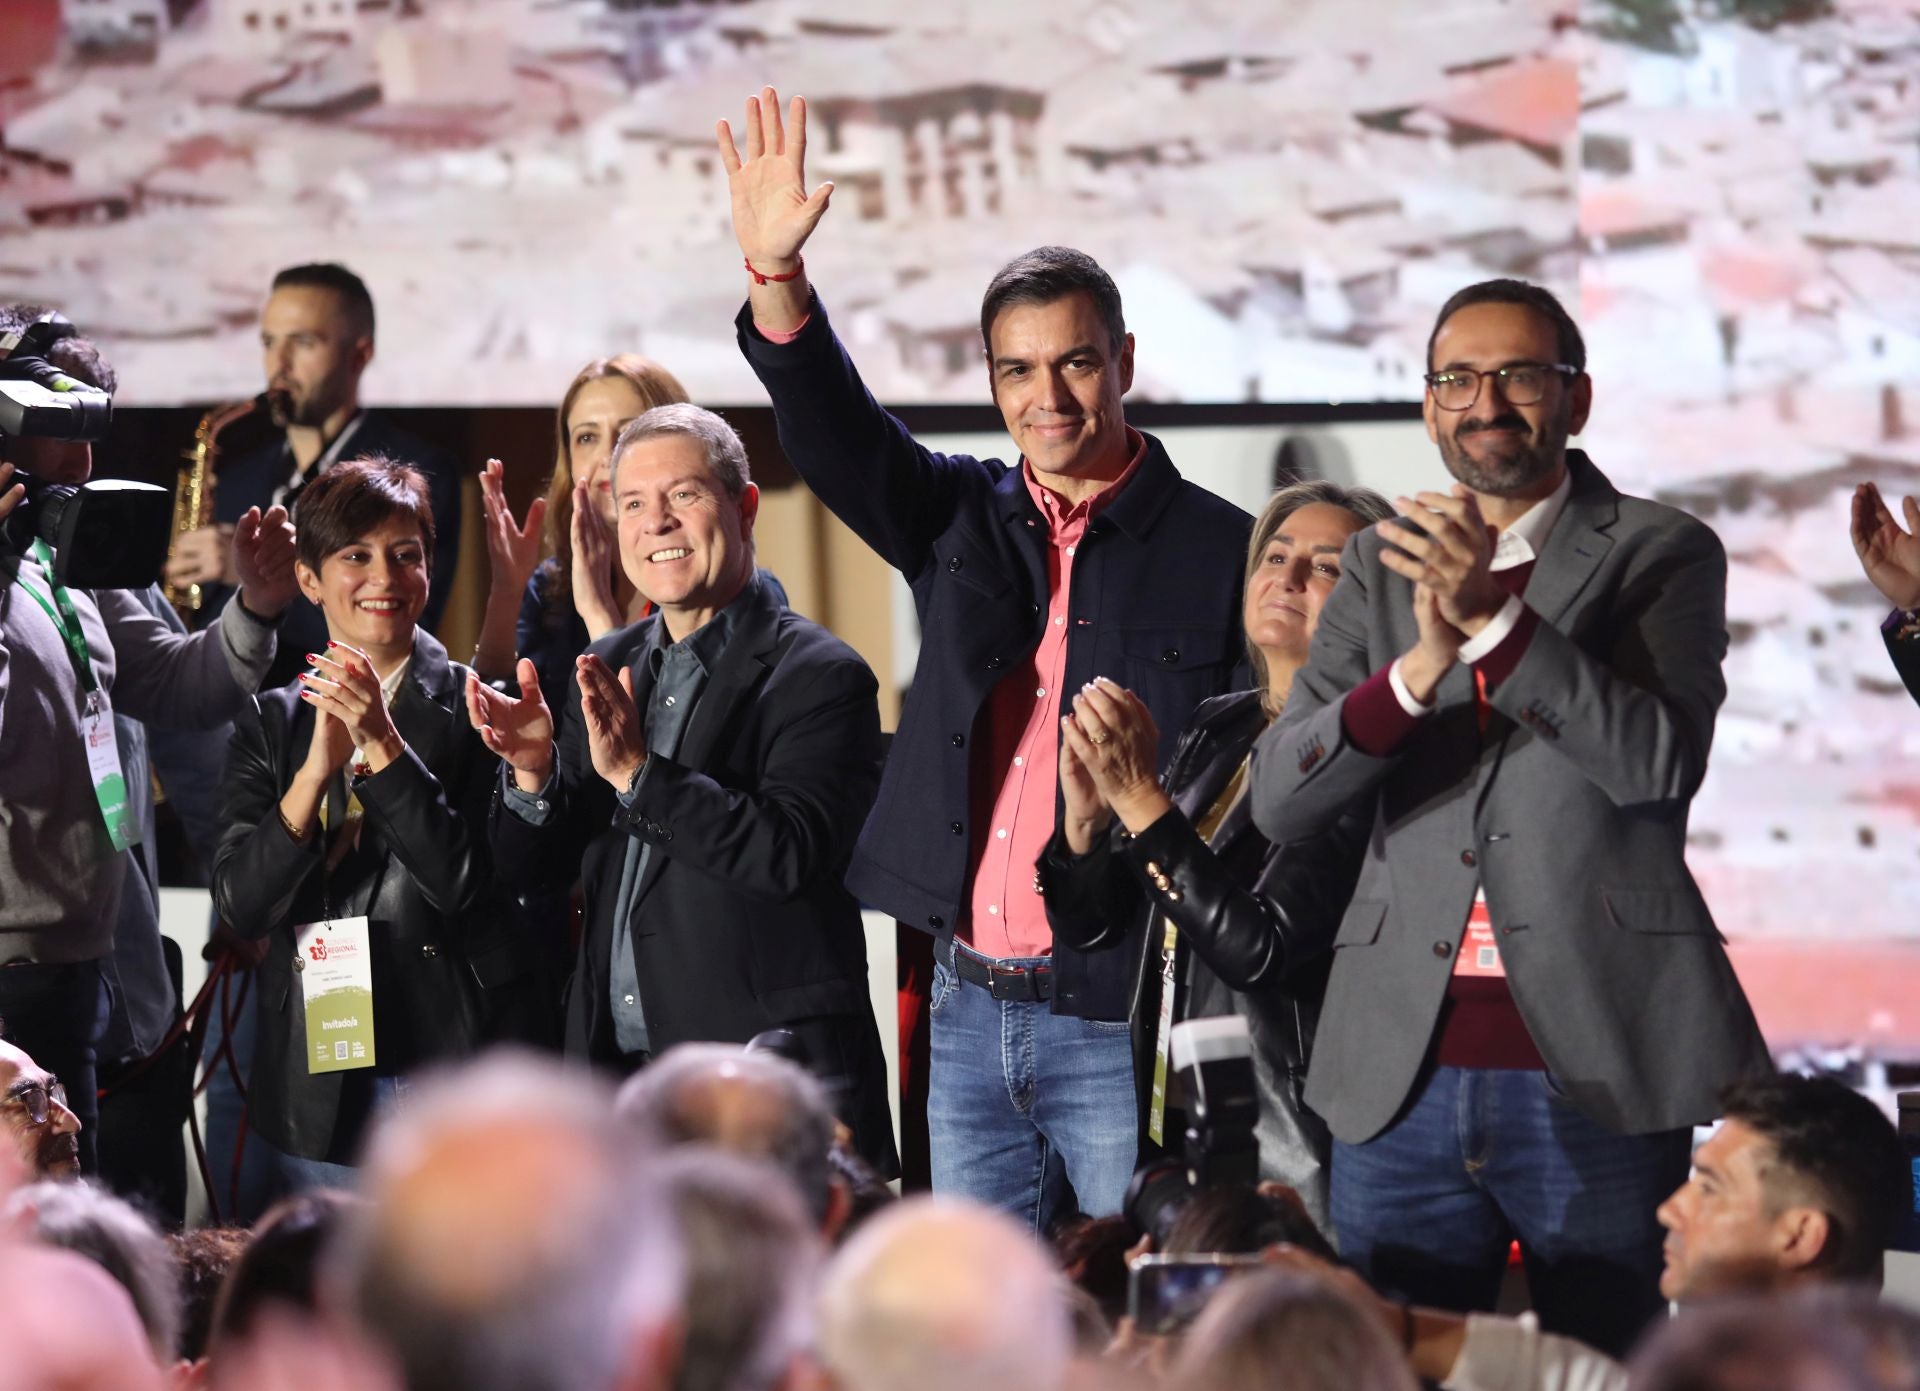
(1166, 1293)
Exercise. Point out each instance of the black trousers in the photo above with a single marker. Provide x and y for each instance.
(57, 1016)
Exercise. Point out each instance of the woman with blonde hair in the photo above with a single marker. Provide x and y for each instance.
(1173, 869)
(557, 580)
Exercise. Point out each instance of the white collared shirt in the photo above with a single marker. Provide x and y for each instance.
(1519, 544)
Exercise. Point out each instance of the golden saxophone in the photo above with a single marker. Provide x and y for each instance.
(193, 496)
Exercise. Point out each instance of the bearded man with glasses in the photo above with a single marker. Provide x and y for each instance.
(1530, 1007)
(34, 1111)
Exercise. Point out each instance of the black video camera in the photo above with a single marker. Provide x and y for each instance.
(1213, 1059)
(108, 534)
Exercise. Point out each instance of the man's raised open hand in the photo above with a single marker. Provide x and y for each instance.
(773, 214)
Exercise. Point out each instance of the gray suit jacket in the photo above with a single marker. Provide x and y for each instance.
(1572, 807)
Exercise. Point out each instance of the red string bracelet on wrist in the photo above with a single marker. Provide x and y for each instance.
(760, 278)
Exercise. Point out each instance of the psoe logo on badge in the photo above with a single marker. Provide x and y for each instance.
(318, 951)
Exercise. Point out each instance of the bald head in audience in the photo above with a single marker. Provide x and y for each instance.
(513, 1240)
(938, 1294)
(754, 1104)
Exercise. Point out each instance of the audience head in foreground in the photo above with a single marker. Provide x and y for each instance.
(512, 1238)
(752, 1267)
(938, 1294)
(1804, 1340)
(1804, 1180)
(755, 1104)
(1276, 1331)
(67, 1326)
(107, 1230)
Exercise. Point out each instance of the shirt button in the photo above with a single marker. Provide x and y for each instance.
(953, 564)
(1060, 622)
(958, 740)
(1001, 833)
(1019, 762)
(627, 998)
(1069, 550)
(1469, 859)
(669, 700)
(994, 909)
(956, 828)
(429, 951)
(1443, 948)
(1041, 693)
(934, 920)
(539, 806)
(995, 663)
(1170, 656)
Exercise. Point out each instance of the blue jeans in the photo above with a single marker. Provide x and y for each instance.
(1428, 1209)
(1022, 1102)
(241, 1198)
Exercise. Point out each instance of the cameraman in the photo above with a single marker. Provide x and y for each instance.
(61, 876)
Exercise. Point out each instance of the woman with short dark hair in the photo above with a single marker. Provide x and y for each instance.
(360, 790)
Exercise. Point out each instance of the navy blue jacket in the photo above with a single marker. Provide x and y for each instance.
(1155, 606)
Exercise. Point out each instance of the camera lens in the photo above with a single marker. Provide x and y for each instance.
(1155, 1195)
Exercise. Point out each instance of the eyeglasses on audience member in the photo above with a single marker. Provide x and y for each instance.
(37, 1099)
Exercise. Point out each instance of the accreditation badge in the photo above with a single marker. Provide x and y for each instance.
(103, 766)
(335, 962)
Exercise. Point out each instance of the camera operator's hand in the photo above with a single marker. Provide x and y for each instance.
(204, 556)
(263, 558)
(11, 493)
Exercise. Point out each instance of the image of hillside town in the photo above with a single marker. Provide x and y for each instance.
(1728, 190)
(524, 182)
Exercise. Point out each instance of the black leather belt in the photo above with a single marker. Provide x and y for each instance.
(1001, 982)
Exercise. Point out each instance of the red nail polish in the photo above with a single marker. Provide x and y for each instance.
(331, 644)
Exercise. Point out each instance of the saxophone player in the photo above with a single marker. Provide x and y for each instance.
(316, 339)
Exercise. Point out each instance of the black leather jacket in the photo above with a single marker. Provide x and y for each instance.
(1260, 919)
(452, 966)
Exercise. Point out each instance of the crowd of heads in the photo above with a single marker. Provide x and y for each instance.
(522, 1226)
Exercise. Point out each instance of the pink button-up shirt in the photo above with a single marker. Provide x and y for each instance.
(1016, 765)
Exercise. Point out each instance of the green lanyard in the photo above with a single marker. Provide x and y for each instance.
(66, 621)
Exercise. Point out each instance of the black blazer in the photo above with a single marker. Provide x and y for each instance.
(248, 480)
(1155, 606)
(1259, 917)
(740, 922)
(450, 971)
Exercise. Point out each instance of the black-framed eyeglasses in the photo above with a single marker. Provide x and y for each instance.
(1522, 384)
(37, 1099)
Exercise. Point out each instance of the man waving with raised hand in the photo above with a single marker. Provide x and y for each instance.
(1087, 556)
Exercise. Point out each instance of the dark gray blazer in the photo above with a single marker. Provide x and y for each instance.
(1573, 808)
